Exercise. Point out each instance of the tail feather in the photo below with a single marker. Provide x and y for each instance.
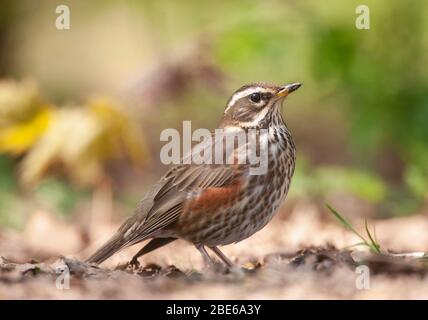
(116, 243)
(154, 244)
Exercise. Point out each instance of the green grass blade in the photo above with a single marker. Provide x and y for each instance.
(374, 245)
(346, 223)
(356, 245)
(374, 234)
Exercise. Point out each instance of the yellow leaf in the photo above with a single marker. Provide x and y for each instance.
(19, 137)
(68, 138)
(18, 100)
(121, 128)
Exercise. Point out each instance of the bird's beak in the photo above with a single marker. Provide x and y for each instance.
(287, 89)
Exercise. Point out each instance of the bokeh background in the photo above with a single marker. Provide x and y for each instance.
(81, 110)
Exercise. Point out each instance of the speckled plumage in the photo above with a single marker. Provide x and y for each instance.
(217, 204)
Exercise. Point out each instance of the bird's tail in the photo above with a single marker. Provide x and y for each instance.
(116, 243)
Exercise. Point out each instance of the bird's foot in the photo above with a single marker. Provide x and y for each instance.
(215, 267)
(134, 264)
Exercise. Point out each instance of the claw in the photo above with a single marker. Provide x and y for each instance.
(134, 263)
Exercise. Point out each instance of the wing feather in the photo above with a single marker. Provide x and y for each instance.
(164, 203)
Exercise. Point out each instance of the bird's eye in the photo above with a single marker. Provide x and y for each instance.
(255, 97)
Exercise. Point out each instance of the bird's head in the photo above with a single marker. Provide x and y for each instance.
(253, 105)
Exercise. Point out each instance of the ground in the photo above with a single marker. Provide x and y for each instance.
(299, 255)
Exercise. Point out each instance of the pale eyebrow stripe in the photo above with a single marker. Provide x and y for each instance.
(244, 93)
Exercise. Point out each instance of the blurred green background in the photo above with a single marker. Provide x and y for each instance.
(81, 110)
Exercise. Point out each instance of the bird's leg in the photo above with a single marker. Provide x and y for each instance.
(134, 263)
(149, 247)
(208, 261)
(223, 258)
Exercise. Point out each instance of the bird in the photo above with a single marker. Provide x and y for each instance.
(217, 204)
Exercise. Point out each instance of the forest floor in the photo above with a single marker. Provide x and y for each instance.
(298, 256)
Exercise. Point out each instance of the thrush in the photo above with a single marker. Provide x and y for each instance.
(216, 204)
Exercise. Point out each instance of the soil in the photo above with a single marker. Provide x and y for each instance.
(298, 256)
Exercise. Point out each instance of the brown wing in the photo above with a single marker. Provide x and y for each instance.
(180, 184)
(165, 202)
(168, 198)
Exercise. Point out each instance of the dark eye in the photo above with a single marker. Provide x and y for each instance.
(255, 97)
